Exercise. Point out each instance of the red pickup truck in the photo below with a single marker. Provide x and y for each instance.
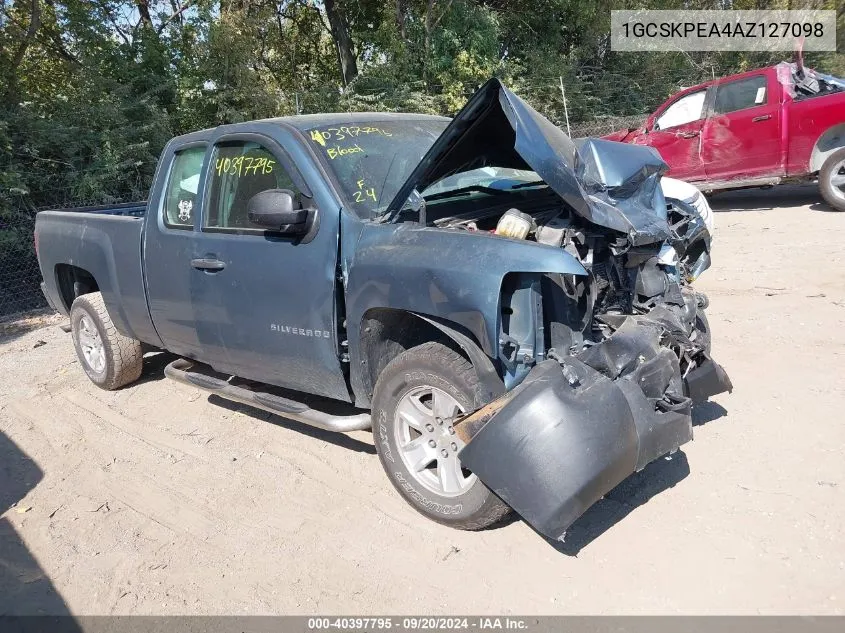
(784, 123)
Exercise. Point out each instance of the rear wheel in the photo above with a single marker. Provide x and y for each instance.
(417, 398)
(832, 180)
(110, 359)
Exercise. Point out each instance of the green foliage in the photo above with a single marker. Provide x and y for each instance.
(91, 90)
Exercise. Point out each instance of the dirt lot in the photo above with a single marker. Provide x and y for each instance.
(160, 500)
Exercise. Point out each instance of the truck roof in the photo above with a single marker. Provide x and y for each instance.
(307, 121)
(710, 82)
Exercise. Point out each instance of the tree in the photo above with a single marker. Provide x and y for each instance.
(339, 26)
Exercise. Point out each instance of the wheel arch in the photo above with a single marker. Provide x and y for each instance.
(73, 281)
(831, 140)
(387, 332)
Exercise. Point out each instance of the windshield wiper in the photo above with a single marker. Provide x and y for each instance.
(533, 183)
(465, 191)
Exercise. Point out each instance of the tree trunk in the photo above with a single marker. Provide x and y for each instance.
(12, 70)
(429, 18)
(400, 20)
(431, 23)
(144, 12)
(342, 41)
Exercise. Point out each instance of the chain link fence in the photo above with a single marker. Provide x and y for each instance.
(20, 276)
(19, 273)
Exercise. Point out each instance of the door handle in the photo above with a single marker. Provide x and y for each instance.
(688, 134)
(209, 264)
(762, 117)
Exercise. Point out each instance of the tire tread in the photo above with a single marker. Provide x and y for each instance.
(124, 353)
(439, 355)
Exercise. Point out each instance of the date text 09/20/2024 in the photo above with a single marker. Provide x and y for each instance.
(417, 623)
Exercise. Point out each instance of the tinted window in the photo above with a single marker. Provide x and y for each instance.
(738, 95)
(687, 109)
(238, 171)
(180, 199)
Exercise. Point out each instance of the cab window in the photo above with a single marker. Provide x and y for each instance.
(739, 95)
(239, 170)
(180, 199)
(687, 109)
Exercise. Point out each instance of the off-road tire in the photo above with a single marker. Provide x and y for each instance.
(123, 355)
(433, 365)
(833, 196)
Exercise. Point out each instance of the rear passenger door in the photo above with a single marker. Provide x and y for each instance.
(742, 135)
(265, 309)
(169, 242)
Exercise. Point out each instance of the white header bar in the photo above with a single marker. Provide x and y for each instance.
(778, 30)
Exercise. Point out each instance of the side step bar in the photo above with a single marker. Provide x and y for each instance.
(180, 369)
(739, 184)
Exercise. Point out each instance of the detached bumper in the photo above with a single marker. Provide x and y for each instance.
(707, 380)
(570, 433)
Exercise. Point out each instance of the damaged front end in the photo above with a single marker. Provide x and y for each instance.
(602, 368)
(578, 425)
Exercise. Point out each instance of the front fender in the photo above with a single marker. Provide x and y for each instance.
(453, 275)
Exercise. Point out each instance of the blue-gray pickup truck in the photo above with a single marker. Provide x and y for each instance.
(511, 312)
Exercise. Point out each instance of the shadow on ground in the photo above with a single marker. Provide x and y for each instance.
(25, 589)
(707, 412)
(767, 199)
(635, 491)
(13, 327)
(153, 370)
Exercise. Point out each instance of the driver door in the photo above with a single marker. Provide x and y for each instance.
(265, 309)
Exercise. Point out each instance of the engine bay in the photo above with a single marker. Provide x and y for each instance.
(557, 316)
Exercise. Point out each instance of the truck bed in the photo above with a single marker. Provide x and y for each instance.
(133, 209)
(105, 242)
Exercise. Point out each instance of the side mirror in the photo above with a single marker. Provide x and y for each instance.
(274, 210)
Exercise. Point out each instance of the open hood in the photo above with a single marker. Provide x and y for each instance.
(614, 185)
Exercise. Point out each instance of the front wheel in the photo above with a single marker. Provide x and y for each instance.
(110, 359)
(832, 180)
(417, 398)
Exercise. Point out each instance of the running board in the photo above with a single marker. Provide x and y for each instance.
(739, 183)
(180, 370)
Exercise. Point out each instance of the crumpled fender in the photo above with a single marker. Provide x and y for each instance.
(577, 427)
(568, 437)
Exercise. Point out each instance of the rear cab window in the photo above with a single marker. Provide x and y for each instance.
(181, 197)
(741, 95)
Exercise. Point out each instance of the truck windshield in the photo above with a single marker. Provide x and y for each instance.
(372, 160)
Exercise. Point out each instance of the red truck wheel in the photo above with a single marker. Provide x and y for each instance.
(832, 180)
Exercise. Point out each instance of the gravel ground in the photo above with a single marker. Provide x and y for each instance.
(158, 499)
